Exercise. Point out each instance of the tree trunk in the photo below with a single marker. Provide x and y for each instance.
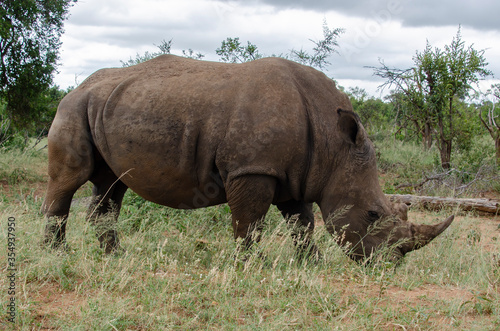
(497, 147)
(445, 152)
(427, 136)
(437, 203)
(444, 146)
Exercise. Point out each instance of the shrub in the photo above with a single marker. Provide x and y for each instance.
(408, 168)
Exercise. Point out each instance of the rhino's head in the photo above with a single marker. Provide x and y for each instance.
(356, 210)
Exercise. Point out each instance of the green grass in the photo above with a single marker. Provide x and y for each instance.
(407, 164)
(17, 167)
(182, 270)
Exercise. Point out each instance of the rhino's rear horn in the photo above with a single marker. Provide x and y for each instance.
(424, 234)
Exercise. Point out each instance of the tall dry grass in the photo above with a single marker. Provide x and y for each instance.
(182, 270)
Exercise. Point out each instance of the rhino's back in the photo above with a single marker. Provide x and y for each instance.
(179, 126)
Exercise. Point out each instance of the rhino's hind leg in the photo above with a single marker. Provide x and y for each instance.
(249, 198)
(56, 209)
(70, 166)
(107, 196)
(300, 217)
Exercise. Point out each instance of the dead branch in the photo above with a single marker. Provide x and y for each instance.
(451, 179)
(437, 203)
(486, 125)
(426, 179)
(492, 126)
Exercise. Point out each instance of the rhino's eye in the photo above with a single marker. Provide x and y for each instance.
(373, 215)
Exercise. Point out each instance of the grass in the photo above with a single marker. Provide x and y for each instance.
(181, 271)
(409, 169)
(17, 167)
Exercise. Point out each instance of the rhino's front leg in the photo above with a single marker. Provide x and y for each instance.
(301, 218)
(249, 198)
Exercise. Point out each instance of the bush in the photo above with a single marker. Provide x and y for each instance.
(408, 168)
(11, 141)
(480, 154)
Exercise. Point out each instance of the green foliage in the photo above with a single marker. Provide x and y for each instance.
(479, 153)
(232, 51)
(30, 34)
(430, 94)
(375, 114)
(490, 121)
(136, 210)
(323, 49)
(164, 48)
(410, 169)
(467, 126)
(190, 54)
(46, 107)
(9, 137)
(495, 91)
(21, 167)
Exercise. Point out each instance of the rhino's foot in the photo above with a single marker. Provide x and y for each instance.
(111, 247)
(245, 258)
(55, 233)
(116, 250)
(108, 240)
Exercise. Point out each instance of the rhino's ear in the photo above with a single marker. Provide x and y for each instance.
(350, 127)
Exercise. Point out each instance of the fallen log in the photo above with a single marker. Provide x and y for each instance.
(437, 203)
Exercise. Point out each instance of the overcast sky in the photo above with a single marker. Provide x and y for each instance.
(100, 33)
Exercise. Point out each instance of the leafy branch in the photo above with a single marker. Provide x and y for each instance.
(231, 50)
(322, 50)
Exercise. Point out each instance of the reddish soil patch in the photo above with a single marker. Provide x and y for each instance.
(37, 189)
(50, 301)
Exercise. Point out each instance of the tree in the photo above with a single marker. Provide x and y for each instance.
(232, 51)
(164, 47)
(321, 51)
(374, 113)
(45, 105)
(433, 88)
(491, 122)
(190, 54)
(30, 32)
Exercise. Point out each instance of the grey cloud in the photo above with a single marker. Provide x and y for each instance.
(111, 23)
(481, 14)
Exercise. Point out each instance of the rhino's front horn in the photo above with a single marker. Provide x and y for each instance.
(423, 234)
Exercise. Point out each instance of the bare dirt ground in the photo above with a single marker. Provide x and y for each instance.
(51, 301)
